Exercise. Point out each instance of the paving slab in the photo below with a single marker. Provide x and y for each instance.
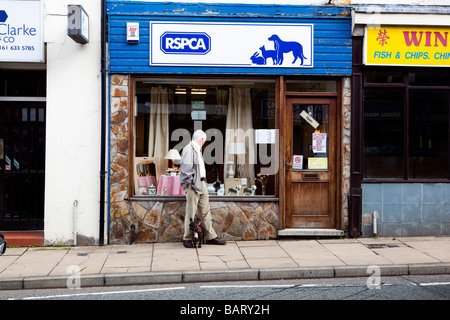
(310, 253)
(438, 248)
(355, 254)
(402, 254)
(173, 257)
(35, 262)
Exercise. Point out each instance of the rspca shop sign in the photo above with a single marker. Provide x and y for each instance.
(231, 44)
(21, 32)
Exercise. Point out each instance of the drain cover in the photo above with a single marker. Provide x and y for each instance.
(382, 245)
(376, 246)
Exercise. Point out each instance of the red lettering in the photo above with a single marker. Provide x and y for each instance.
(428, 39)
(439, 36)
(413, 39)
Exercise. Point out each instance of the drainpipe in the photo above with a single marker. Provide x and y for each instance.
(374, 223)
(103, 126)
(75, 205)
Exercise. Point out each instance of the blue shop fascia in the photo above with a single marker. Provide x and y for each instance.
(270, 85)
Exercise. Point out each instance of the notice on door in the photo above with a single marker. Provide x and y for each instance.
(297, 162)
(309, 119)
(317, 163)
(319, 144)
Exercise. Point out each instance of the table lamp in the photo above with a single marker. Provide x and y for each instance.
(173, 155)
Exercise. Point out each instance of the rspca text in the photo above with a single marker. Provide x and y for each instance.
(185, 43)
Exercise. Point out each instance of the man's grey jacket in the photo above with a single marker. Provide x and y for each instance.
(190, 169)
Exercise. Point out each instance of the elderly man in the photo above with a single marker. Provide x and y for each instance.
(193, 182)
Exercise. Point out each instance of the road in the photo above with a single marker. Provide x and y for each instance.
(388, 288)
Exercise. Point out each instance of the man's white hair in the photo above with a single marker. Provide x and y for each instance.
(199, 134)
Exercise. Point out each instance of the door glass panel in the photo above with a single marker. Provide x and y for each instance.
(310, 137)
(311, 86)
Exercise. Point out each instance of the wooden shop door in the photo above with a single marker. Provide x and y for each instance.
(311, 162)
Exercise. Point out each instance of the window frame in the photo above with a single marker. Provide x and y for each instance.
(131, 155)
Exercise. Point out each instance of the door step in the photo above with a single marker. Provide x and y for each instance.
(24, 238)
(311, 233)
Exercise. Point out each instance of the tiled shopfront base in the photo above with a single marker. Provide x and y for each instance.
(406, 209)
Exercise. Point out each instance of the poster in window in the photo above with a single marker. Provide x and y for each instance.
(319, 143)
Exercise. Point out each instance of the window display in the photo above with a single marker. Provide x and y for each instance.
(238, 117)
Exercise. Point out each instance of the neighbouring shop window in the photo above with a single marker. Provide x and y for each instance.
(406, 125)
(22, 83)
(377, 76)
(383, 133)
(238, 117)
(428, 134)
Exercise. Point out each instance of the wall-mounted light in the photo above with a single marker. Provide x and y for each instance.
(78, 24)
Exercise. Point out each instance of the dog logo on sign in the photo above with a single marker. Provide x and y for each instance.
(277, 55)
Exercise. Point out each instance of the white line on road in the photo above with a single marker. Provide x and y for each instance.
(434, 284)
(253, 286)
(98, 293)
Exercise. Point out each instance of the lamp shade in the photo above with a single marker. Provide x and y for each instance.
(236, 148)
(173, 154)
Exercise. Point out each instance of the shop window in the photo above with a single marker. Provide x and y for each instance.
(383, 133)
(381, 76)
(20, 83)
(238, 117)
(437, 77)
(406, 128)
(428, 134)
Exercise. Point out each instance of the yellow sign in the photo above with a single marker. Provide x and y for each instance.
(407, 46)
(318, 163)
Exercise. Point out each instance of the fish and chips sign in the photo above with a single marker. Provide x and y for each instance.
(407, 46)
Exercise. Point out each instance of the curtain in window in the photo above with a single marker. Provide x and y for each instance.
(158, 133)
(239, 128)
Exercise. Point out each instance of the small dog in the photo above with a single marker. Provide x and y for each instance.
(234, 191)
(269, 54)
(250, 191)
(197, 233)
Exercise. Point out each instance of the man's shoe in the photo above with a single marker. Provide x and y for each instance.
(216, 241)
(187, 244)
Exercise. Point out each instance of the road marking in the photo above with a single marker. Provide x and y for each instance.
(434, 284)
(97, 293)
(253, 286)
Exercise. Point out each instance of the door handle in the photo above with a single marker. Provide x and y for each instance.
(288, 165)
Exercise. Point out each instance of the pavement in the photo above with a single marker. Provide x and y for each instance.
(160, 263)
